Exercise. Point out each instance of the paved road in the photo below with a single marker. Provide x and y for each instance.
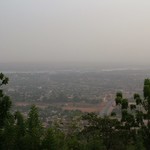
(107, 108)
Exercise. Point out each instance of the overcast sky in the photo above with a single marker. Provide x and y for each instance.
(75, 30)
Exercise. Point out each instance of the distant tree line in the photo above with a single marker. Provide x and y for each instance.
(130, 132)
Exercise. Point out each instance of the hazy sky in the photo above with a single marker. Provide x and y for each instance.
(74, 30)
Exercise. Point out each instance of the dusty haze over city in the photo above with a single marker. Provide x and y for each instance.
(108, 31)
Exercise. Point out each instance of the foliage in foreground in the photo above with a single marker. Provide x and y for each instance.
(130, 132)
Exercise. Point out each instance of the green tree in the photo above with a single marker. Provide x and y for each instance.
(105, 130)
(49, 141)
(34, 129)
(119, 94)
(124, 104)
(147, 98)
(118, 100)
(5, 103)
(132, 107)
(136, 95)
(20, 130)
(7, 133)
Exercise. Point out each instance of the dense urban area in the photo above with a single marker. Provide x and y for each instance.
(64, 94)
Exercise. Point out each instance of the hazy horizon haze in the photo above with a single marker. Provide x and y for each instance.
(110, 31)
